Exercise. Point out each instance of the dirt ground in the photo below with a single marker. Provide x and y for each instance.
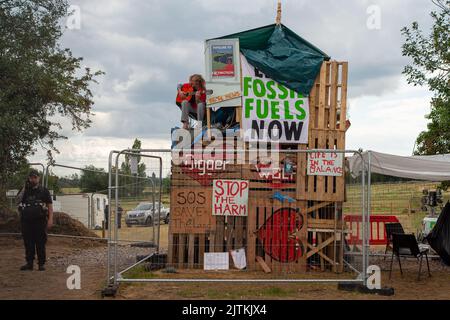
(51, 284)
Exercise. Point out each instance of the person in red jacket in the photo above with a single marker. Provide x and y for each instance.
(197, 104)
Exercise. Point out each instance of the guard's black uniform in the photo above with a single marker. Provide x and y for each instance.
(34, 222)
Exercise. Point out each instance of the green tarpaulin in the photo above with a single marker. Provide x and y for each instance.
(282, 55)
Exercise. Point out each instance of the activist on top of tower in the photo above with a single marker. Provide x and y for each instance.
(266, 75)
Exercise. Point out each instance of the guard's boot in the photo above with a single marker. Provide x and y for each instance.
(27, 267)
(41, 267)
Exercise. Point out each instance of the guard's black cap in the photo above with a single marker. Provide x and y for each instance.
(33, 173)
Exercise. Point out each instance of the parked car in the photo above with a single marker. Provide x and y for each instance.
(144, 214)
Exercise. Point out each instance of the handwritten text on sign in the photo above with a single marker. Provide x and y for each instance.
(189, 211)
(325, 164)
(230, 198)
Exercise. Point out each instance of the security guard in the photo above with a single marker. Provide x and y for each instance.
(36, 215)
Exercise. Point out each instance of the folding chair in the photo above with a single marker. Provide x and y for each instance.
(394, 227)
(406, 245)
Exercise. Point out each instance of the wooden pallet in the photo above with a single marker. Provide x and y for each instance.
(186, 250)
(325, 235)
(268, 236)
(327, 126)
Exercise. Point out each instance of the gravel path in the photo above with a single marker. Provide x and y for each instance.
(98, 256)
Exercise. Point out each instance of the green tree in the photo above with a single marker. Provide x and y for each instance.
(133, 185)
(40, 81)
(93, 179)
(431, 66)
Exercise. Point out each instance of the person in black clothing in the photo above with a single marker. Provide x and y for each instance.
(119, 213)
(119, 216)
(36, 216)
(106, 212)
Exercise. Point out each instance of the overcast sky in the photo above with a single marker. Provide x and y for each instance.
(147, 46)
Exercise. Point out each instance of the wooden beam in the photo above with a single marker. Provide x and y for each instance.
(263, 264)
(318, 248)
(317, 206)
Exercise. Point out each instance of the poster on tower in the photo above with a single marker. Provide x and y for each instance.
(270, 111)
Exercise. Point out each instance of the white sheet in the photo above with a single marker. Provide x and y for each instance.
(431, 168)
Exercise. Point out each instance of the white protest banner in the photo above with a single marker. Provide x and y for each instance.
(230, 198)
(216, 261)
(270, 111)
(325, 164)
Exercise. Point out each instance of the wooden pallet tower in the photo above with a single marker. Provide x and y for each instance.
(317, 207)
(301, 232)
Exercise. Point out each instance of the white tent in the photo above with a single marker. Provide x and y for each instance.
(432, 168)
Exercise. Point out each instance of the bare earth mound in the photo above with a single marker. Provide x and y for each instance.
(62, 224)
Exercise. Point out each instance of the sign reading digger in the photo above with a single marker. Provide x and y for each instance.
(230, 198)
(270, 111)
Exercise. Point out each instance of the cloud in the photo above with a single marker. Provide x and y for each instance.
(146, 47)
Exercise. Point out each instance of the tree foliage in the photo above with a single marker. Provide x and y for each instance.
(40, 82)
(430, 66)
(133, 186)
(93, 179)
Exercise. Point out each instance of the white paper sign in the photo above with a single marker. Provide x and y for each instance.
(230, 198)
(239, 259)
(223, 73)
(134, 165)
(216, 261)
(325, 164)
(270, 111)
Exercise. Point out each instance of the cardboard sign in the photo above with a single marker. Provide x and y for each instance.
(325, 164)
(216, 261)
(230, 198)
(190, 211)
(270, 111)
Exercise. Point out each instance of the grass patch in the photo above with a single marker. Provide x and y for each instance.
(139, 272)
(236, 293)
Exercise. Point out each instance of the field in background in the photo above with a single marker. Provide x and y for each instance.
(401, 199)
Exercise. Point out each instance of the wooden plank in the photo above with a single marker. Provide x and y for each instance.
(320, 245)
(238, 114)
(341, 242)
(333, 94)
(303, 236)
(230, 230)
(251, 234)
(181, 249)
(170, 250)
(265, 210)
(312, 104)
(259, 216)
(343, 116)
(340, 181)
(321, 223)
(191, 250)
(317, 206)
(208, 121)
(322, 96)
(239, 228)
(219, 241)
(201, 249)
(263, 264)
(301, 173)
(327, 96)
